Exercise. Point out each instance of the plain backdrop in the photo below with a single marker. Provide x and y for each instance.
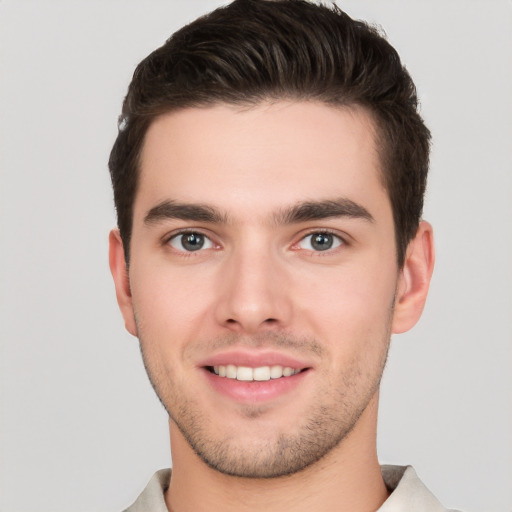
(80, 427)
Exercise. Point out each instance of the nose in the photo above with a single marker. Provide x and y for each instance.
(254, 293)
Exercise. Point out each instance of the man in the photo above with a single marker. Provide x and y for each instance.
(268, 176)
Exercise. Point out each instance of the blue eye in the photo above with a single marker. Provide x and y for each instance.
(190, 242)
(320, 241)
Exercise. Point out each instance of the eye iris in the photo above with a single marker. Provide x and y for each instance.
(192, 241)
(321, 241)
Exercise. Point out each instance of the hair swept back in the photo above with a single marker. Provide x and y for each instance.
(258, 50)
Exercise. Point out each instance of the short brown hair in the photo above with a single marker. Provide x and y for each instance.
(256, 50)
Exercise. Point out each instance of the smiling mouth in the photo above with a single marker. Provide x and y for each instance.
(248, 374)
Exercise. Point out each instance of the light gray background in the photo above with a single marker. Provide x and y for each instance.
(80, 427)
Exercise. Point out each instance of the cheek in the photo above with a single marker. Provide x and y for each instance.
(350, 310)
(170, 306)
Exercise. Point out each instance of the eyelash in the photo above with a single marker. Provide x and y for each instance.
(341, 241)
(182, 252)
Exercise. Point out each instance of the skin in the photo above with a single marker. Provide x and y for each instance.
(258, 286)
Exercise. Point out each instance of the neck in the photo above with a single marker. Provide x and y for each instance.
(347, 479)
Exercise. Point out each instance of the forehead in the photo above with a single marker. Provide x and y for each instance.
(264, 156)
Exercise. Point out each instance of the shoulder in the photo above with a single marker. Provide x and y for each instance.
(408, 492)
(152, 498)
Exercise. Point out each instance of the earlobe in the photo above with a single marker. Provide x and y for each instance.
(414, 279)
(119, 272)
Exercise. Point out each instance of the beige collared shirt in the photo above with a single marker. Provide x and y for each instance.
(408, 493)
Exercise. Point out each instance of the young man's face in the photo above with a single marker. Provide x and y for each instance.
(262, 246)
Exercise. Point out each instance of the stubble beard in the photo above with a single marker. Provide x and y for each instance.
(322, 427)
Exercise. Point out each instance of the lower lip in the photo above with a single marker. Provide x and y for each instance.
(254, 391)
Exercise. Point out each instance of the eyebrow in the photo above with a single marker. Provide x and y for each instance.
(318, 210)
(301, 212)
(184, 211)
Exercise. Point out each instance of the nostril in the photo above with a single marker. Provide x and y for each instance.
(250, 324)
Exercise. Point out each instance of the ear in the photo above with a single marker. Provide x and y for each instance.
(414, 279)
(119, 271)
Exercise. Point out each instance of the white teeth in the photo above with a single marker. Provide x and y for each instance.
(230, 371)
(244, 373)
(287, 372)
(261, 373)
(276, 372)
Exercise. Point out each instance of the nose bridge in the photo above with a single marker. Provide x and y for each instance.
(252, 288)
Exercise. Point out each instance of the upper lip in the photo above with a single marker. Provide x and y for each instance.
(254, 359)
